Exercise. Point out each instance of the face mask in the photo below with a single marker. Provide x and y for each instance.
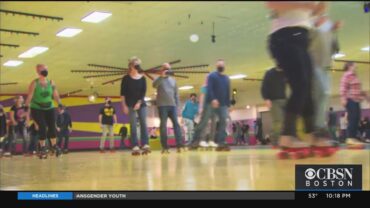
(169, 72)
(326, 26)
(109, 102)
(138, 68)
(220, 68)
(44, 73)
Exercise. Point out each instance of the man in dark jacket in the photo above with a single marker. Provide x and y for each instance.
(273, 92)
(64, 127)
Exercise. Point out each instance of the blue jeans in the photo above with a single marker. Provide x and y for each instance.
(354, 115)
(170, 112)
(207, 114)
(143, 128)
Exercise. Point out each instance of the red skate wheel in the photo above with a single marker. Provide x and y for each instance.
(296, 155)
(283, 155)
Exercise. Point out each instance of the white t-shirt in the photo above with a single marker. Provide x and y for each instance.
(343, 123)
(292, 18)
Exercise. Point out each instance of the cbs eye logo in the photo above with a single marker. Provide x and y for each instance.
(310, 173)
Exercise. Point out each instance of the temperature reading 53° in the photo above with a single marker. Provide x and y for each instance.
(312, 195)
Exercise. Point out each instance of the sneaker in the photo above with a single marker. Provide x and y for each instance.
(212, 144)
(203, 144)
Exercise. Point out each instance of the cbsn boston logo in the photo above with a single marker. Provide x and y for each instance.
(328, 177)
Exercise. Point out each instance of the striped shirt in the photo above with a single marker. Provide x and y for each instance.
(350, 87)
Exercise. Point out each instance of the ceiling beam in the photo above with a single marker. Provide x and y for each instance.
(19, 32)
(39, 16)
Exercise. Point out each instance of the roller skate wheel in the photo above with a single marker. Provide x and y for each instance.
(296, 155)
(283, 155)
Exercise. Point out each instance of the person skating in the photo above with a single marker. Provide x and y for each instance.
(107, 120)
(19, 121)
(3, 129)
(323, 46)
(217, 102)
(64, 128)
(351, 98)
(273, 91)
(167, 102)
(41, 94)
(288, 45)
(133, 90)
(189, 111)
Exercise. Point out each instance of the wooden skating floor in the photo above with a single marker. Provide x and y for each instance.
(240, 169)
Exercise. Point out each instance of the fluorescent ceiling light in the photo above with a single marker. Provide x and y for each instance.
(68, 32)
(147, 99)
(13, 63)
(238, 76)
(33, 52)
(365, 48)
(339, 55)
(186, 87)
(96, 17)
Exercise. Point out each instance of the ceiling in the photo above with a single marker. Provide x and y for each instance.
(158, 32)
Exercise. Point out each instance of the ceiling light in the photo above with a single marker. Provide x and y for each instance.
(147, 99)
(238, 76)
(68, 32)
(339, 55)
(248, 106)
(186, 87)
(96, 17)
(365, 48)
(194, 38)
(13, 63)
(33, 52)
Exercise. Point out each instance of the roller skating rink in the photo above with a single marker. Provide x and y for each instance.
(243, 168)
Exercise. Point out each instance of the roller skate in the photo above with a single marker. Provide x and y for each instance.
(43, 153)
(180, 148)
(165, 151)
(146, 150)
(7, 154)
(135, 151)
(203, 145)
(291, 148)
(193, 147)
(321, 145)
(57, 151)
(223, 148)
(212, 145)
(353, 143)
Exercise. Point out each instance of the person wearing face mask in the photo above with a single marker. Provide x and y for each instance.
(41, 94)
(217, 102)
(167, 102)
(19, 121)
(133, 90)
(3, 128)
(189, 111)
(107, 119)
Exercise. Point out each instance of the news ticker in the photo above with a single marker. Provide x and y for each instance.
(191, 195)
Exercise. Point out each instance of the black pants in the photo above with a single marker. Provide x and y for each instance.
(45, 119)
(63, 134)
(289, 48)
(354, 115)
